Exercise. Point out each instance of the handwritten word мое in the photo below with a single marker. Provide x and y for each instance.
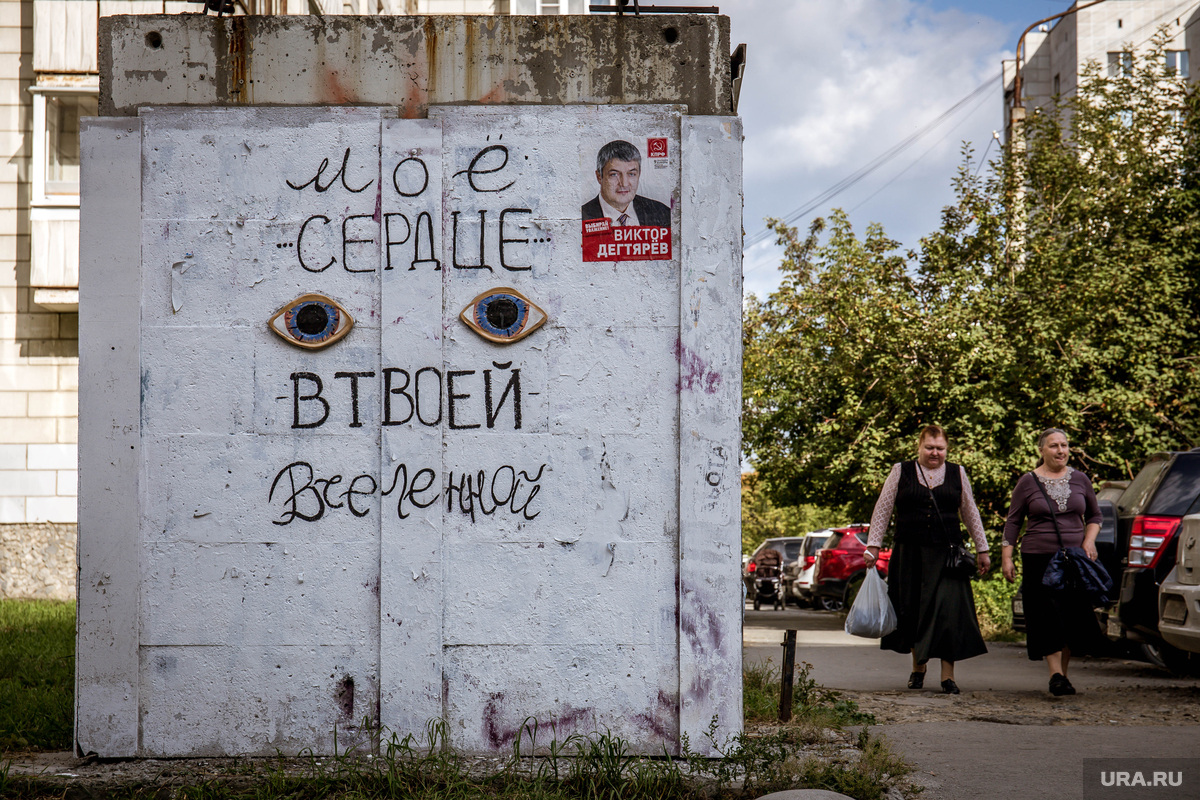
(303, 495)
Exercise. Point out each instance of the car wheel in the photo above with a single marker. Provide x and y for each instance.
(831, 604)
(757, 604)
(1180, 663)
(1153, 654)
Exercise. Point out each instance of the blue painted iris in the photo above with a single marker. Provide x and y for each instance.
(312, 321)
(501, 314)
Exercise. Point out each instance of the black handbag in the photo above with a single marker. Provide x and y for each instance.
(959, 560)
(1071, 570)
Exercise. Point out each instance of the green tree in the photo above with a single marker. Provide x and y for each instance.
(762, 519)
(1060, 290)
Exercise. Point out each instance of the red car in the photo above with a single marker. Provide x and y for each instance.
(840, 565)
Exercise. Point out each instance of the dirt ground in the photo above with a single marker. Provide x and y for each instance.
(1116, 705)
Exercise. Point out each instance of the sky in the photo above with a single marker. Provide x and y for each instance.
(832, 85)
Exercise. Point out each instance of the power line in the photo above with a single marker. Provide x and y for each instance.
(850, 180)
(928, 150)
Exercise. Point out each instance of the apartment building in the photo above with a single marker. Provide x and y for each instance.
(1108, 33)
(48, 80)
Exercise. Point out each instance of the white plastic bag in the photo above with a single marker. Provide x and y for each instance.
(872, 615)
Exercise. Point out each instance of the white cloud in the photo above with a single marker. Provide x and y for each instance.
(829, 86)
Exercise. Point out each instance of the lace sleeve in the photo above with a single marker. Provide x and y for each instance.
(883, 508)
(969, 513)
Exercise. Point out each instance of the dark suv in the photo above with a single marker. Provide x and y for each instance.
(1148, 519)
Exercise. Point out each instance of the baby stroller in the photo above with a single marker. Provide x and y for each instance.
(768, 573)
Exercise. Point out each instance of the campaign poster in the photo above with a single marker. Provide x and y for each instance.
(628, 187)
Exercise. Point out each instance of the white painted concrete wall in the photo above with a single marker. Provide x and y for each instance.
(595, 583)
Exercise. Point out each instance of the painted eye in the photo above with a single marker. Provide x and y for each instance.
(503, 315)
(311, 321)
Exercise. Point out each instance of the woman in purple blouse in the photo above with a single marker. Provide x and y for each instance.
(1057, 624)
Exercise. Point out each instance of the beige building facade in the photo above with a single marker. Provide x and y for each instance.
(1108, 33)
(48, 81)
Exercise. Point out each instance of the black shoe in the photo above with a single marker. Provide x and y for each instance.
(949, 686)
(1059, 685)
(916, 680)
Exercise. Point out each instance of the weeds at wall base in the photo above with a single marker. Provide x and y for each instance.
(577, 767)
(813, 751)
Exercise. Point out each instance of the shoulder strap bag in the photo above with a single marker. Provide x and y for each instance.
(959, 560)
(1070, 569)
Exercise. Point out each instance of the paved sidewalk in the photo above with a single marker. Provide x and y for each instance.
(960, 760)
(966, 758)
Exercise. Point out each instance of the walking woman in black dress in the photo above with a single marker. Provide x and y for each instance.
(1057, 624)
(935, 607)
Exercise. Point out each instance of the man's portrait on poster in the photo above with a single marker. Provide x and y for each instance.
(618, 223)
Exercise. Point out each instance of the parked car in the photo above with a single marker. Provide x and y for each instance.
(798, 575)
(788, 547)
(840, 565)
(1108, 495)
(1149, 515)
(1179, 600)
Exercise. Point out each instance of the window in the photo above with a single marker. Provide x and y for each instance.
(1179, 487)
(54, 195)
(1120, 65)
(563, 6)
(56, 115)
(62, 141)
(1056, 84)
(1177, 60)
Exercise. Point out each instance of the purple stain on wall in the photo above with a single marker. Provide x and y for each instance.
(700, 688)
(500, 735)
(700, 624)
(694, 372)
(662, 719)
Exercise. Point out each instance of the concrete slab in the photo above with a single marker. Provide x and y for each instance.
(412, 63)
(983, 759)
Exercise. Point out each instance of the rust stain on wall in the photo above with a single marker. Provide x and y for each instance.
(239, 63)
(534, 59)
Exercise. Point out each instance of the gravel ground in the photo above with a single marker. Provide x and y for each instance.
(1122, 706)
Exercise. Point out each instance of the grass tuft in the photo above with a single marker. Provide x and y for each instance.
(37, 674)
(813, 706)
